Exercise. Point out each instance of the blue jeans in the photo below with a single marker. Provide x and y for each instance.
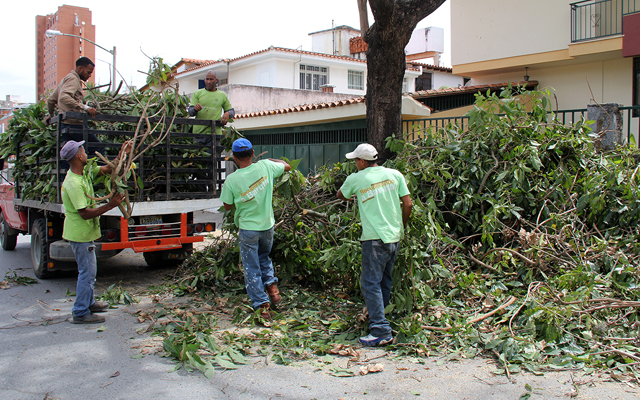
(375, 282)
(255, 247)
(87, 267)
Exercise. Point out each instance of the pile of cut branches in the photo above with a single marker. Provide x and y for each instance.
(523, 242)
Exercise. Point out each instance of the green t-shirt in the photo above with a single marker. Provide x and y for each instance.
(214, 104)
(251, 190)
(75, 189)
(378, 190)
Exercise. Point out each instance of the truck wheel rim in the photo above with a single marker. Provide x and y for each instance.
(38, 249)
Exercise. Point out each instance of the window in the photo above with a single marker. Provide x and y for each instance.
(636, 85)
(355, 80)
(423, 82)
(312, 77)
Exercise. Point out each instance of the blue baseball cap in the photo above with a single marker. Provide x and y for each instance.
(241, 145)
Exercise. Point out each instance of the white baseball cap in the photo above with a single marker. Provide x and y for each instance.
(364, 151)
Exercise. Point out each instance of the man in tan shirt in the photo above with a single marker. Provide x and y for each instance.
(69, 96)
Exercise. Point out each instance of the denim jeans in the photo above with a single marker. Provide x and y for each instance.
(255, 247)
(375, 282)
(87, 267)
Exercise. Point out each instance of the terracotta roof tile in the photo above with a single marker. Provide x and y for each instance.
(281, 49)
(469, 89)
(303, 107)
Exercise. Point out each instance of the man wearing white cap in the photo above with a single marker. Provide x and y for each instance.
(384, 206)
(82, 226)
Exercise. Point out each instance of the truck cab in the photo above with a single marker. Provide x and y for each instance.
(12, 222)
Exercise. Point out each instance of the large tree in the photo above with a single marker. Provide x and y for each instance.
(394, 21)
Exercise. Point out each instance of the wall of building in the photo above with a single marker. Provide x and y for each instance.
(575, 86)
(487, 30)
(56, 56)
(445, 80)
(246, 99)
(333, 41)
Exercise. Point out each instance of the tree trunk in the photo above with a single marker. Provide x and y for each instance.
(394, 23)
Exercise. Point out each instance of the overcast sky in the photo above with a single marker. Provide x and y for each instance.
(178, 29)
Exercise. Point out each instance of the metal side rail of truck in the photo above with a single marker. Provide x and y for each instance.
(181, 175)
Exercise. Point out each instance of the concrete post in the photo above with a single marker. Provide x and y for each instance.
(607, 124)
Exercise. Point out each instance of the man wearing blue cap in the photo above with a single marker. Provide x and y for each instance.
(82, 226)
(250, 189)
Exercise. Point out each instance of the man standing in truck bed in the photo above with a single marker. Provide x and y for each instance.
(69, 96)
(212, 104)
(82, 226)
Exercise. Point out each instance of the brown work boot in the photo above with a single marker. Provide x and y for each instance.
(99, 306)
(88, 319)
(274, 293)
(264, 311)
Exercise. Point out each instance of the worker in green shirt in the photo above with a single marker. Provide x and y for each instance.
(384, 206)
(82, 226)
(211, 104)
(250, 190)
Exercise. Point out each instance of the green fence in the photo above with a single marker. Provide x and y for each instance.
(415, 128)
(316, 145)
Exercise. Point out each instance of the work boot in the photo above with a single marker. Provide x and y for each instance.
(99, 306)
(88, 319)
(264, 311)
(274, 293)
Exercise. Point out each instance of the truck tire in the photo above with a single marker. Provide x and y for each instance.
(154, 258)
(7, 240)
(40, 249)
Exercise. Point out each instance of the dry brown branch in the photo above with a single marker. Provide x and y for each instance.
(509, 301)
(483, 264)
(525, 259)
(437, 328)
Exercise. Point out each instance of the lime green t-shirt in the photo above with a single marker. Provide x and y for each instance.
(75, 189)
(251, 190)
(214, 104)
(378, 190)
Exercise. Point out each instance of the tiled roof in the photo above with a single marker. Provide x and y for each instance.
(469, 89)
(282, 49)
(194, 61)
(430, 66)
(360, 99)
(305, 107)
(272, 48)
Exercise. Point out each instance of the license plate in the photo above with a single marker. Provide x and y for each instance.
(150, 220)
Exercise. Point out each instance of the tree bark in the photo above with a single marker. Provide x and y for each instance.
(395, 20)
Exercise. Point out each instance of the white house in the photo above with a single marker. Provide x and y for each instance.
(278, 77)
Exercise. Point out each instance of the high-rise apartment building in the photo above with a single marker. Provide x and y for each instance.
(56, 56)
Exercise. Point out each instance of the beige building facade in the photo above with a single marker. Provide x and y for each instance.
(573, 48)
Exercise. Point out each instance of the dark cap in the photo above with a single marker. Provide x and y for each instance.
(70, 149)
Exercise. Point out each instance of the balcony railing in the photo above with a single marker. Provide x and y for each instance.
(592, 19)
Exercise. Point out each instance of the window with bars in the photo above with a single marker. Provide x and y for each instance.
(313, 77)
(423, 82)
(355, 80)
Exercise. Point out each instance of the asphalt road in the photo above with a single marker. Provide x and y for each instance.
(60, 360)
